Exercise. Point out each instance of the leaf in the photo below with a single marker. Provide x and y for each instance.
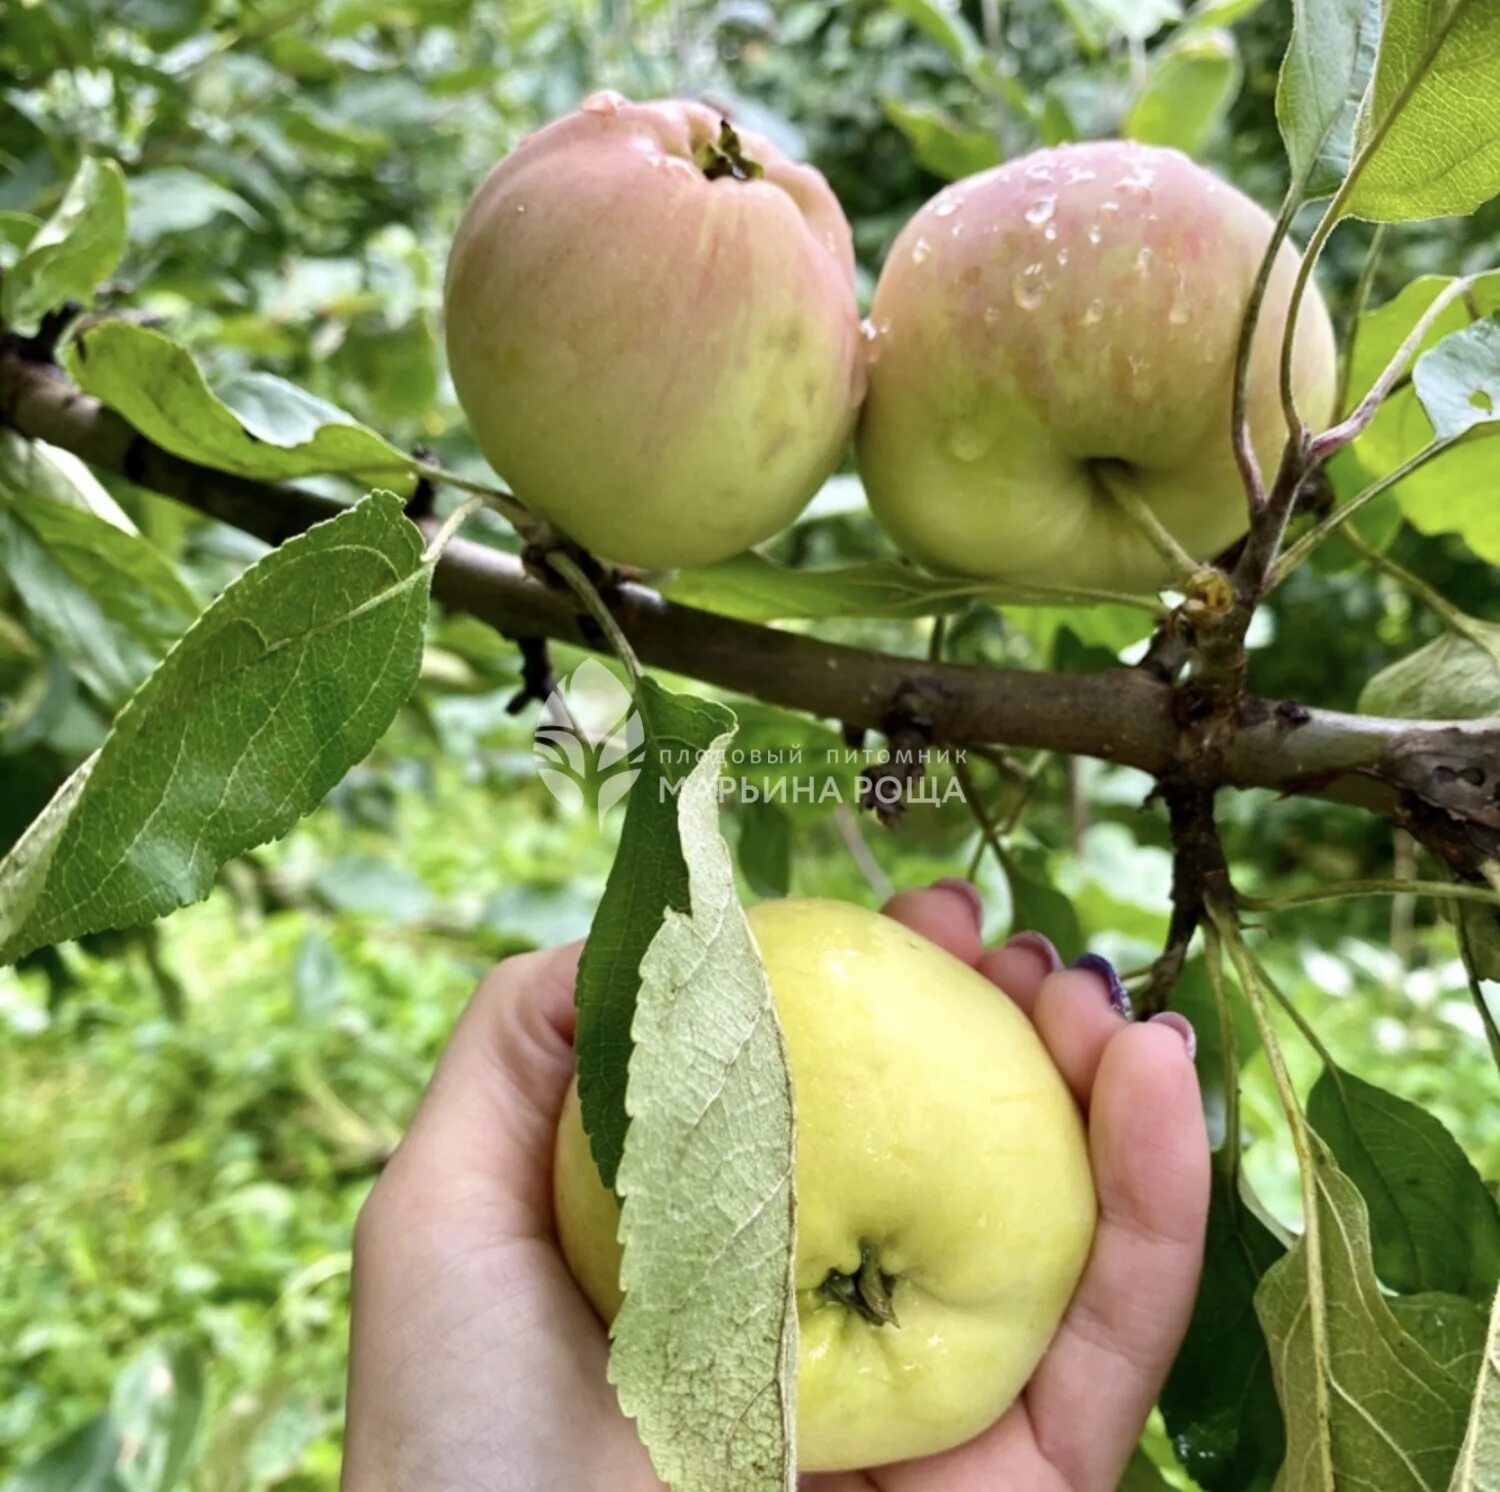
(1209, 13)
(1188, 91)
(940, 144)
(765, 848)
(83, 1460)
(1429, 127)
(1452, 494)
(705, 1346)
(32, 468)
(179, 201)
(1450, 1328)
(1219, 1402)
(945, 24)
(259, 426)
(1143, 1475)
(1324, 75)
(1038, 906)
(648, 878)
(285, 682)
(1458, 381)
(1097, 21)
(1194, 998)
(104, 599)
(1450, 678)
(157, 1406)
(1433, 1224)
(1395, 1417)
(76, 248)
(753, 588)
(1478, 1468)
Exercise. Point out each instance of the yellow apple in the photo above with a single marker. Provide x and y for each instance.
(1049, 332)
(945, 1204)
(651, 325)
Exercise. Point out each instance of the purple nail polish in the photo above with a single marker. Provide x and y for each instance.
(968, 891)
(1182, 1026)
(1119, 999)
(1038, 943)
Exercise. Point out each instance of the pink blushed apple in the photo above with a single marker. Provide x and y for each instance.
(1047, 332)
(652, 328)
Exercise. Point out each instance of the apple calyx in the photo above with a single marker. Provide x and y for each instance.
(867, 1291)
(726, 157)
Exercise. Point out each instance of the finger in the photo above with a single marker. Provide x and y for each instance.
(1020, 967)
(1128, 1316)
(947, 913)
(1077, 1013)
(485, 1128)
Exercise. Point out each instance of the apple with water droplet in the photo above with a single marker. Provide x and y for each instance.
(652, 328)
(945, 1203)
(1053, 330)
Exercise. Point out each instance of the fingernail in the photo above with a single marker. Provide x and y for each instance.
(1119, 999)
(1038, 943)
(968, 891)
(1182, 1026)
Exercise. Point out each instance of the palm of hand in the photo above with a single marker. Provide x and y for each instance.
(476, 1363)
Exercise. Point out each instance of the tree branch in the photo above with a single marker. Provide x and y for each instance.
(1424, 773)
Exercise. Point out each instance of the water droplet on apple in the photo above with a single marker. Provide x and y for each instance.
(1041, 211)
(1143, 261)
(1029, 288)
(605, 102)
(968, 442)
(991, 315)
(946, 206)
(1095, 234)
(1109, 205)
(1178, 315)
(921, 251)
(520, 208)
(1094, 314)
(1081, 173)
(872, 340)
(1039, 171)
(1138, 366)
(1062, 257)
(1050, 232)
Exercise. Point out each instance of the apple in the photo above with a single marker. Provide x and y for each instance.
(945, 1205)
(1053, 331)
(652, 328)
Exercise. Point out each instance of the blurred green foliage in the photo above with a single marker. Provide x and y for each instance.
(192, 1117)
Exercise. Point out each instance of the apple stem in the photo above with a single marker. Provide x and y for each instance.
(866, 1292)
(726, 157)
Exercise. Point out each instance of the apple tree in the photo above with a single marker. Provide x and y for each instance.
(1099, 556)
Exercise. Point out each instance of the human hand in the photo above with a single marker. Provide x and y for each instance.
(476, 1363)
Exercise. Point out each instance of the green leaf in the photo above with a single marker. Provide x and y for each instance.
(705, 1346)
(1324, 75)
(1453, 677)
(1219, 1402)
(1429, 127)
(1433, 1223)
(157, 1406)
(1194, 998)
(764, 849)
(257, 426)
(940, 144)
(83, 1460)
(76, 248)
(1452, 494)
(102, 597)
(753, 588)
(1098, 21)
(1188, 91)
(179, 201)
(1037, 906)
(1211, 13)
(1450, 1328)
(1458, 381)
(281, 686)
(648, 878)
(1478, 1468)
(945, 24)
(1395, 1417)
(1143, 1475)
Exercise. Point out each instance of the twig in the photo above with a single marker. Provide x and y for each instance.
(1374, 886)
(1357, 304)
